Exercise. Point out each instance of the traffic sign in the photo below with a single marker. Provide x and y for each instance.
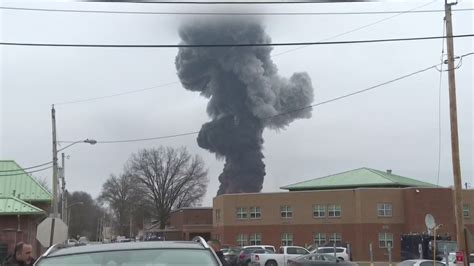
(51, 231)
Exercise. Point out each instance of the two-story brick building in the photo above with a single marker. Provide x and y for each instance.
(358, 207)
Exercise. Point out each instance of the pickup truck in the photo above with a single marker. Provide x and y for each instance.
(279, 259)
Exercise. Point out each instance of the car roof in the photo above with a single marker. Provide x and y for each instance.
(125, 246)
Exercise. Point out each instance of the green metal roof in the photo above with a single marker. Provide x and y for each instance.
(362, 177)
(19, 184)
(15, 206)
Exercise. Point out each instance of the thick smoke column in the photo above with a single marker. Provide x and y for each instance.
(246, 93)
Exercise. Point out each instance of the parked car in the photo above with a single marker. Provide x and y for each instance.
(267, 247)
(315, 259)
(133, 253)
(231, 255)
(420, 263)
(341, 252)
(245, 253)
(280, 259)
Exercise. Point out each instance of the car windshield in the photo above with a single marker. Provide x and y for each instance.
(153, 257)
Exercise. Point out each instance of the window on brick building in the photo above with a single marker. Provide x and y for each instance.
(466, 210)
(384, 209)
(241, 240)
(241, 213)
(319, 239)
(255, 213)
(334, 210)
(385, 240)
(335, 238)
(255, 239)
(286, 211)
(287, 239)
(319, 211)
(218, 215)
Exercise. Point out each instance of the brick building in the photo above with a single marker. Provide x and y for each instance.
(23, 205)
(358, 207)
(186, 223)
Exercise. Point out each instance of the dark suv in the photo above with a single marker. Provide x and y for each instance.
(184, 253)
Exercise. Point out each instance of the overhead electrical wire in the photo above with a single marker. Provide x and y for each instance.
(280, 114)
(26, 168)
(116, 94)
(29, 172)
(284, 52)
(229, 44)
(358, 28)
(231, 13)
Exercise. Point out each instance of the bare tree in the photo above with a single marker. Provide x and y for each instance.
(43, 182)
(171, 179)
(123, 195)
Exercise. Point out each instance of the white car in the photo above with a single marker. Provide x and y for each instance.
(420, 263)
(341, 252)
(282, 258)
(267, 247)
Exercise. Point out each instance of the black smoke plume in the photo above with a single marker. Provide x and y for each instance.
(245, 93)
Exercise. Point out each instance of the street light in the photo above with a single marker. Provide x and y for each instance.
(69, 210)
(90, 141)
(55, 167)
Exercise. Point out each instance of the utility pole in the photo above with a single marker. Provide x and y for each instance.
(458, 206)
(63, 186)
(55, 166)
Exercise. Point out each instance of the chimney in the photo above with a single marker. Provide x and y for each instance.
(389, 171)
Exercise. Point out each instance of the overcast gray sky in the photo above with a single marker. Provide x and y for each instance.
(393, 127)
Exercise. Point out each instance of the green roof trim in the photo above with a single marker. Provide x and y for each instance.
(357, 178)
(15, 206)
(19, 184)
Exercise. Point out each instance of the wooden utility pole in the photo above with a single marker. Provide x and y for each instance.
(54, 204)
(63, 186)
(458, 205)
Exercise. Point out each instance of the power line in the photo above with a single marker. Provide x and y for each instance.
(237, 3)
(29, 172)
(117, 94)
(229, 45)
(142, 139)
(283, 113)
(231, 13)
(26, 168)
(284, 52)
(357, 29)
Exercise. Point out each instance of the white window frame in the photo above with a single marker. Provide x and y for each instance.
(241, 213)
(286, 212)
(334, 209)
(384, 239)
(319, 239)
(287, 239)
(466, 210)
(241, 240)
(256, 212)
(335, 238)
(255, 239)
(384, 209)
(319, 209)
